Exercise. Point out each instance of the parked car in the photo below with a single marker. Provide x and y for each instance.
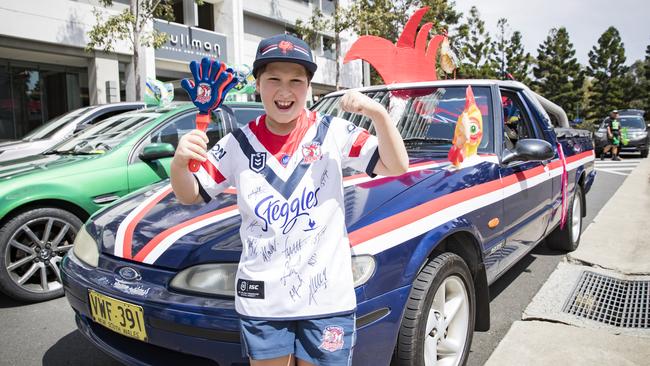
(61, 128)
(637, 132)
(45, 198)
(152, 281)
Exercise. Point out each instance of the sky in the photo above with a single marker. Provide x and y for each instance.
(585, 21)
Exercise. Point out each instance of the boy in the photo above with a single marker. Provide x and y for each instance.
(294, 283)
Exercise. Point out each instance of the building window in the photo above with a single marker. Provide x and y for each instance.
(329, 48)
(206, 16)
(33, 94)
(178, 12)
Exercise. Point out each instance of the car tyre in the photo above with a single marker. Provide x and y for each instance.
(32, 245)
(644, 153)
(438, 321)
(568, 238)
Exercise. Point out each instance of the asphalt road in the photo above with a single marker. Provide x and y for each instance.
(45, 333)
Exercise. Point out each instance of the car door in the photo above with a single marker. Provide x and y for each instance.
(528, 185)
(142, 173)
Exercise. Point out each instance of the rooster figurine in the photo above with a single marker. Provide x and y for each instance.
(469, 131)
(409, 60)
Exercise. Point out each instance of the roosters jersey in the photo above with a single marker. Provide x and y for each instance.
(295, 261)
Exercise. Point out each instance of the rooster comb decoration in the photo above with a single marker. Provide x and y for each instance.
(408, 60)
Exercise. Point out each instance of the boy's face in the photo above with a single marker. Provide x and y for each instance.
(283, 88)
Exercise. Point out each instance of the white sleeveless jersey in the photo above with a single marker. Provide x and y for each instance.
(295, 261)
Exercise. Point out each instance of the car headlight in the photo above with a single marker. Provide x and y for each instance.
(219, 278)
(363, 267)
(85, 248)
(213, 278)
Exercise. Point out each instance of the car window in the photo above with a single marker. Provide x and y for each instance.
(50, 128)
(632, 122)
(105, 136)
(172, 131)
(517, 122)
(426, 118)
(245, 115)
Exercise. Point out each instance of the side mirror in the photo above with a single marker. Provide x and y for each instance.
(157, 151)
(529, 150)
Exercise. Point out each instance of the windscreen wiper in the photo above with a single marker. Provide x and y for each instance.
(432, 140)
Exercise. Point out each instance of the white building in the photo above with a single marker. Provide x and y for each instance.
(45, 71)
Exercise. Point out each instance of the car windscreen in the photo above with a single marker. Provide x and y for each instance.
(635, 122)
(106, 135)
(245, 115)
(50, 128)
(425, 118)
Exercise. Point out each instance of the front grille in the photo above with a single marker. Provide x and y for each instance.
(621, 303)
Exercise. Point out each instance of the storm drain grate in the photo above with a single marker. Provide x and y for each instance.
(621, 303)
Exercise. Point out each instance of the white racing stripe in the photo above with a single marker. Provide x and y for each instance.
(121, 230)
(402, 234)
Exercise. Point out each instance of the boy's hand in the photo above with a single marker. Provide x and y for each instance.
(192, 146)
(355, 102)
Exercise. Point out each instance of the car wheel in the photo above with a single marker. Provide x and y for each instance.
(438, 322)
(33, 244)
(568, 238)
(644, 153)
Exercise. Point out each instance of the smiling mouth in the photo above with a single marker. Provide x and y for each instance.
(283, 106)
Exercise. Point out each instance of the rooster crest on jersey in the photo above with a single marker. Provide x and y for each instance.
(203, 93)
(311, 152)
(332, 338)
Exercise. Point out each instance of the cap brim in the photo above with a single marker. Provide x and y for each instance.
(264, 61)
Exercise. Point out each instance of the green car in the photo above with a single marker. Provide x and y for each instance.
(44, 199)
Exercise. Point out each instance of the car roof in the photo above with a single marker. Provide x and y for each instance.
(437, 83)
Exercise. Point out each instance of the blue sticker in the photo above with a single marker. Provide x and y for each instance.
(285, 159)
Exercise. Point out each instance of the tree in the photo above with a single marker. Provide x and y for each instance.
(518, 61)
(646, 84)
(501, 46)
(634, 84)
(558, 74)
(441, 14)
(607, 67)
(340, 22)
(131, 25)
(477, 50)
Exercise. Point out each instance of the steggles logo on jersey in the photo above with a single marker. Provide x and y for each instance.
(203, 93)
(258, 161)
(311, 152)
(271, 210)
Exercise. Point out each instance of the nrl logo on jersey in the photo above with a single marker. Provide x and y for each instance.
(311, 152)
(258, 161)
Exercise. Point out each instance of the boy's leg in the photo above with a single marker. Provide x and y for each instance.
(267, 342)
(326, 341)
(280, 361)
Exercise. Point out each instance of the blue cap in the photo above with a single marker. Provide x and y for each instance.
(284, 48)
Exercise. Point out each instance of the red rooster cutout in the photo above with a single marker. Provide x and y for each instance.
(409, 60)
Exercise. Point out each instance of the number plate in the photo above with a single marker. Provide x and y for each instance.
(117, 315)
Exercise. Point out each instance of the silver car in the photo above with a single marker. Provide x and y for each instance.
(62, 127)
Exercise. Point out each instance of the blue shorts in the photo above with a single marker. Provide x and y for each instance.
(322, 341)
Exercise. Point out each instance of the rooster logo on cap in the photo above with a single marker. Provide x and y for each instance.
(285, 46)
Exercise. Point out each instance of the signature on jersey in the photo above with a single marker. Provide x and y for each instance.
(271, 210)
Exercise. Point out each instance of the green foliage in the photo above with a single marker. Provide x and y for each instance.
(501, 45)
(646, 84)
(310, 30)
(634, 85)
(441, 14)
(518, 61)
(477, 50)
(558, 74)
(606, 66)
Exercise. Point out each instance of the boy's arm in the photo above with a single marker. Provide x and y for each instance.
(191, 146)
(393, 158)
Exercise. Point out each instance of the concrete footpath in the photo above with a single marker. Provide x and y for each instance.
(595, 307)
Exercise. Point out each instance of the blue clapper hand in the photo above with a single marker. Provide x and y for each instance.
(212, 81)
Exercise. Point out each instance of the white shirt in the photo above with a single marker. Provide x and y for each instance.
(295, 262)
